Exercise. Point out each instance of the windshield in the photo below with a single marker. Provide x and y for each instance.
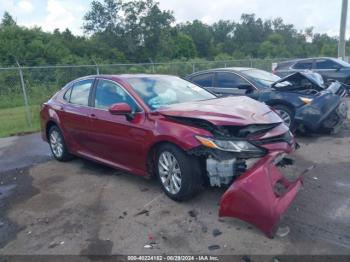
(341, 62)
(159, 91)
(263, 78)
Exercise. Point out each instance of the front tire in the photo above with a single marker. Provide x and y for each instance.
(286, 114)
(58, 145)
(179, 174)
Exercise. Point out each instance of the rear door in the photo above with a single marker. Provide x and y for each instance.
(303, 65)
(75, 115)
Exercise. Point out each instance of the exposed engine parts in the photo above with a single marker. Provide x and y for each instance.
(220, 172)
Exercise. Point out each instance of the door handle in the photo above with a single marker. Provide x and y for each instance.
(93, 116)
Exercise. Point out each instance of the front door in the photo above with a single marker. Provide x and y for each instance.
(328, 69)
(117, 139)
(227, 83)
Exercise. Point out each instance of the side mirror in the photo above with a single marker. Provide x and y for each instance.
(244, 86)
(120, 109)
(338, 67)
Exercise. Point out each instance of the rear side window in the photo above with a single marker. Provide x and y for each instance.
(283, 65)
(303, 65)
(229, 80)
(80, 92)
(67, 94)
(204, 80)
(326, 64)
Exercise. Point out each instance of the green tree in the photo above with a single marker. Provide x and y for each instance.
(135, 27)
(7, 20)
(273, 46)
(184, 46)
(201, 35)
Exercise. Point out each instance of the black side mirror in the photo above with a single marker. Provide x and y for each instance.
(337, 68)
(244, 86)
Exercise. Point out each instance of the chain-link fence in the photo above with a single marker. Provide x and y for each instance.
(24, 89)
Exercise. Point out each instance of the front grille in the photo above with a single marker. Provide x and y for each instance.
(286, 137)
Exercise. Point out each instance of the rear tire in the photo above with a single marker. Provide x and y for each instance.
(179, 174)
(58, 145)
(287, 115)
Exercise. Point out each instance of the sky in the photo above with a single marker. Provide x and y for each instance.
(323, 15)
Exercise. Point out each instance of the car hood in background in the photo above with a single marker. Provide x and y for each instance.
(238, 110)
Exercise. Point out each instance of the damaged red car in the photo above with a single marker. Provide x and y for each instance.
(164, 126)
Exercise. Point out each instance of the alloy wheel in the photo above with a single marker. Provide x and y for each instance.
(56, 143)
(285, 117)
(169, 172)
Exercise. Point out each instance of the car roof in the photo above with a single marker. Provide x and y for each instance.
(233, 69)
(306, 59)
(121, 76)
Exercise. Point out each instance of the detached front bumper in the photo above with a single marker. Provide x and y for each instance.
(256, 196)
(324, 113)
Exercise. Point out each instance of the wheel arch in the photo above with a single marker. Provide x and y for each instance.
(151, 154)
(49, 124)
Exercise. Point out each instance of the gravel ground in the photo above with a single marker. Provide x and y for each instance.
(80, 207)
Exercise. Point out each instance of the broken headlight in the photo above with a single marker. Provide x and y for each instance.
(237, 146)
(306, 100)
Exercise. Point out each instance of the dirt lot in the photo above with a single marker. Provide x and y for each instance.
(80, 207)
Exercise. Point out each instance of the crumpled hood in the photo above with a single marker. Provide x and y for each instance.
(314, 78)
(238, 110)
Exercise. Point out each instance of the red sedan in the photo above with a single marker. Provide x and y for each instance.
(163, 126)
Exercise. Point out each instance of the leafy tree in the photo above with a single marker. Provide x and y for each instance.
(139, 31)
(135, 26)
(249, 34)
(201, 35)
(273, 46)
(185, 46)
(7, 20)
(104, 17)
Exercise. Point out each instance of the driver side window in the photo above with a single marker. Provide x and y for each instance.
(229, 80)
(109, 93)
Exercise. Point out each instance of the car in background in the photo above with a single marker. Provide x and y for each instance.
(164, 126)
(296, 98)
(329, 68)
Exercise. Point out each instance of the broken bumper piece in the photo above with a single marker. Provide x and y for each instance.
(324, 113)
(257, 197)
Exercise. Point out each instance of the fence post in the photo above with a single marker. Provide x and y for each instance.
(153, 69)
(28, 115)
(193, 68)
(97, 68)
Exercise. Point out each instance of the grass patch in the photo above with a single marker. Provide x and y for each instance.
(13, 120)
